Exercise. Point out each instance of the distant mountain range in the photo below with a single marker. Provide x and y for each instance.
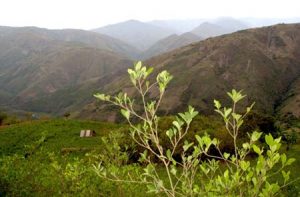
(143, 35)
(170, 43)
(57, 71)
(138, 34)
(187, 25)
(155, 37)
(219, 27)
(206, 30)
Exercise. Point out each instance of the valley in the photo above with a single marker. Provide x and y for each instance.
(42, 68)
(193, 132)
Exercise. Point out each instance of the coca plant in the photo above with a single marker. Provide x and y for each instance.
(221, 174)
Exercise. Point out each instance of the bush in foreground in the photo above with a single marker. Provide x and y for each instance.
(222, 174)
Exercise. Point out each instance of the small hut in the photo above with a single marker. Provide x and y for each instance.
(87, 133)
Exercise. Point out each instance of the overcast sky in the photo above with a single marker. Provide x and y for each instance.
(87, 14)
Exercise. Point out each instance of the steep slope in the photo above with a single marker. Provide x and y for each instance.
(33, 66)
(170, 43)
(138, 34)
(264, 62)
(290, 105)
(88, 38)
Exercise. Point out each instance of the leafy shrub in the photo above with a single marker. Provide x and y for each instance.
(40, 172)
(223, 174)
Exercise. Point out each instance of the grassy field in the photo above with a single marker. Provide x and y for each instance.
(58, 165)
(59, 134)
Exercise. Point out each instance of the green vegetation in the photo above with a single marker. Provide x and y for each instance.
(37, 175)
(48, 158)
(182, 155)
(191, 174)
(59, 135)
(7, 119)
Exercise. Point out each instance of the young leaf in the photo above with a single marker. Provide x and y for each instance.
(125, 113)
(290, 161)
(245, 165)
(187, 145)
(138, 65)
(226, 155)
(169, 156)
(255, 136)
(283, 159)
(217, 104)
(269, 140)
(256, 149)
(170, 133)
(173, 170)
(100, 96)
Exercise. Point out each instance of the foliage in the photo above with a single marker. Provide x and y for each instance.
(60, 135)
(222, 174)
(116, 151)
(290, 138)
(48, 173)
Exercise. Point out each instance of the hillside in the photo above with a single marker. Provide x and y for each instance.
(138, 34)
(206, 30)
(34, 65)
(170, 43)
(218, 27)
(231, 24)
(59, 134)
(263, 62)
(290, 105)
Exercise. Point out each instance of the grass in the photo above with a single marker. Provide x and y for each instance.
(59, 134)
(40, 174)
(51, 172)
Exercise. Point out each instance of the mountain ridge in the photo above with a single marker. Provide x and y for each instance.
(136, 33)
(261, 61)
(34, 64)
(170, 43)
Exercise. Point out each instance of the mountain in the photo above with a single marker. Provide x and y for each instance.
(170, 43)
(179, 26)
(219, 27)
(206, 30)
(263, 62)
(187, 25)
(230, 24)
(290, 105)
(34, 64)
(138, 34)
(259, 22)
(88, 38)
